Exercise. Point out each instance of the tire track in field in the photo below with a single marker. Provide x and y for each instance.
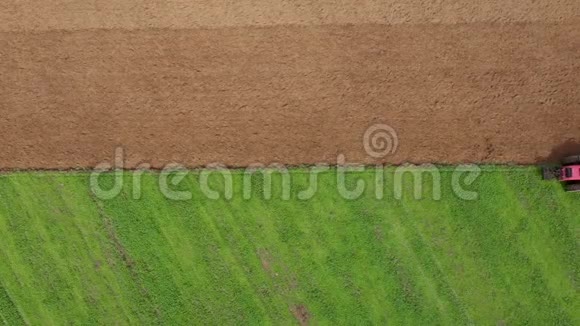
(122, 252)
(9, 311)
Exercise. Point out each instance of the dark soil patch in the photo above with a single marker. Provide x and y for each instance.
(568, 148)
(302, 314)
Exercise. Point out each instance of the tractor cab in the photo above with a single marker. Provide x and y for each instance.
(568, 173)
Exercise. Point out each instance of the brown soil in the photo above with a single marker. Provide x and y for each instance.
(265, 259)
(481, 91)
(301, 314)
(33, 15)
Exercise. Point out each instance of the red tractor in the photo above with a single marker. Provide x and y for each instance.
(568, 173)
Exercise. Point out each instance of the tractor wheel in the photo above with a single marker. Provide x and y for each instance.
(573, 187)
(550, 172)
(571, 160)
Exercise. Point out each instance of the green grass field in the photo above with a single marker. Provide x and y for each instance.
(510, 256)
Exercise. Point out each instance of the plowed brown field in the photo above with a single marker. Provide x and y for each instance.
(498, 82)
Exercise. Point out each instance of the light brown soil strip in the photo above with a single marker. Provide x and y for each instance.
(296, 95)
(33, 15)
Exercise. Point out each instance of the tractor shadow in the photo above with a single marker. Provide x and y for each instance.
(568, 148)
